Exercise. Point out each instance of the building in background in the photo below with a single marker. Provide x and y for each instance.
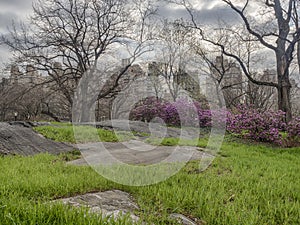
(225, 81)
(35, 96)
(295, 97)
(262, 97)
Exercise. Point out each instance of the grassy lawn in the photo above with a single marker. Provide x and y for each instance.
(64, 133)
(246, 184)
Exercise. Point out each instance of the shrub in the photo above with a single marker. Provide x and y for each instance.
(244, 121)
(147, 109)
(179, 113)
(260, 126)
(293, 131)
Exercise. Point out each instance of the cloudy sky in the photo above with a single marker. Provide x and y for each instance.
(10, 10)
(210, 12)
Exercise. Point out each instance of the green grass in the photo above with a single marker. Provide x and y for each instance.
(246, 184)
(171, 141)
(27, 183)
(65, 133)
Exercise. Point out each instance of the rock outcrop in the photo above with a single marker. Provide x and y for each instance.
(19, 139)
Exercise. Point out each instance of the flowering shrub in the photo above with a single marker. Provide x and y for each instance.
(170, 115)
(147, 109)
(260, 126)
(293, 130)
(247, 122)
(179, 113)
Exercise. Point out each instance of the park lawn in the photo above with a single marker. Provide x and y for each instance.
(246, 184)
(65, 133)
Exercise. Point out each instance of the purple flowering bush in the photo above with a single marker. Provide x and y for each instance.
(251, 123)
(264, 126)
(244, 121)
(179, 113)
(293, 131)
(147, 109)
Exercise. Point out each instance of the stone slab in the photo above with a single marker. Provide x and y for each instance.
(20, 140)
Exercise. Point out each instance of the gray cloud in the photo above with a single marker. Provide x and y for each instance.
(10, 10)
(17, 4)
(205, 16)
(14, 9)
(6, 19)
(215, 15)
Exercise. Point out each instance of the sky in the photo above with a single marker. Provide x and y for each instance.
(17, 10)
(209, 12)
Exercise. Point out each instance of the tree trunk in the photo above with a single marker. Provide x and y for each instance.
(298, 55)
(284, 103)
(283, 73)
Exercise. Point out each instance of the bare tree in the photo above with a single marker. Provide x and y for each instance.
(173, 55)
(67, 38)
(279, 33)
(7, 100)
(224, 78)
(156, 82)
(21, 99)
(262, 97)
(224, 75)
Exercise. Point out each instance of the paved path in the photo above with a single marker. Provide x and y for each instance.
(21, 140)
(138, 152)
